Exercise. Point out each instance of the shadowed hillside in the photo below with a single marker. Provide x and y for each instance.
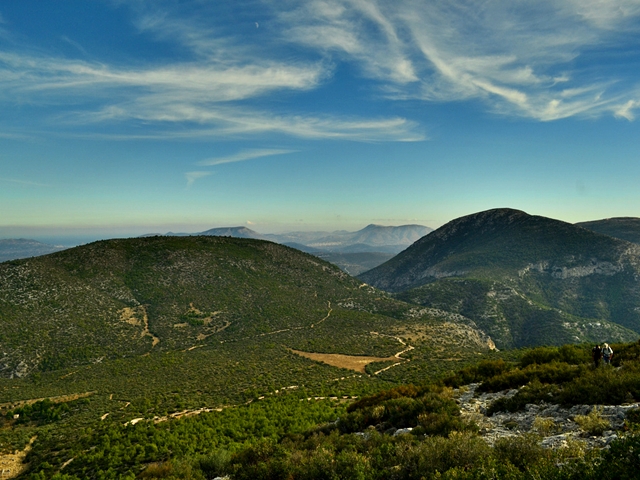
(523, 279)
(624, 228)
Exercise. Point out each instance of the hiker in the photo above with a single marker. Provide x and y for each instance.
(607, 354)
(596, 353)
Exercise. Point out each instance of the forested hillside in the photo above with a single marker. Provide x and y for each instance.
(121, 298)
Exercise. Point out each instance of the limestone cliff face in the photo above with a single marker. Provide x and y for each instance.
(524, 277)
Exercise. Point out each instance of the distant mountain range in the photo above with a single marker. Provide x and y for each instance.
(524, 280)
(14, 248)
(354, 252)
(372, 238)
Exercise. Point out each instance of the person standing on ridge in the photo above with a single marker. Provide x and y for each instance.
(607, 354)
(596, 353)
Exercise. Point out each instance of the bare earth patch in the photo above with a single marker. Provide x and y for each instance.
(138, 316)
(11, 464)
(132, 315)
(351, 362)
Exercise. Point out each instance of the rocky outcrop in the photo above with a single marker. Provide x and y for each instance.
(556, 426)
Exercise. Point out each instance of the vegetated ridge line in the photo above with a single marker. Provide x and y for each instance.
(328, 315)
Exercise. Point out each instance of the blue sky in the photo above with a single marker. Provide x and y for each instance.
(128, 116)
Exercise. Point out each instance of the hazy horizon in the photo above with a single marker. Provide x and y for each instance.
(130, 117)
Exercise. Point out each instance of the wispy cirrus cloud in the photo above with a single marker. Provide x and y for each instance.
(210, 93)
(23, 182)
(525, 60)
(535, 60)
(244, 156)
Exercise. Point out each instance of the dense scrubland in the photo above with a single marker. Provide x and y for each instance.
(349, 432)
(126, 298)
(176, 358)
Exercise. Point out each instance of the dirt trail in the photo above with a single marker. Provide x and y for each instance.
(145, 318)
(328, 315)
(397, 355)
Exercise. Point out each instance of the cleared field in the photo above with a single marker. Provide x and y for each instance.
(356, 363)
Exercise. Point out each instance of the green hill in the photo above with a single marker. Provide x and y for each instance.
(523, 279)
(624, 228)
(157, 328)
(121, 298)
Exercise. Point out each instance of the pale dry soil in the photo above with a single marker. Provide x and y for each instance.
(11, 464)
(351, 362)
(132, 317)
(357, 363)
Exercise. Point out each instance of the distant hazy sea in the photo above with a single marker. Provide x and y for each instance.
(68, 241)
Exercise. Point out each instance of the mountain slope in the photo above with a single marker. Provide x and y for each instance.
(624, 228)
(128, 297)
(557, 274)
(371, 238)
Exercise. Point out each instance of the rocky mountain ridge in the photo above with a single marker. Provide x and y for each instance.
(524, 279)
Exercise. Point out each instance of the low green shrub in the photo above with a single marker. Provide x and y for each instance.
(41, 412)
(443, 424)
(571, 354)
(603, 386)
(621, 460)
(216, 464)
(553, 372)
(477, 373)
(633, 416)
(435, 406)
(522, 451)
(436, 455)
(544, 426)
(534, 392)
(593, 423)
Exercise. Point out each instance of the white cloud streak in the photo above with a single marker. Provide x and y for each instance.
(521, 59)
(208, 95)
(529, 59)
(23, 182)
(244, 156)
